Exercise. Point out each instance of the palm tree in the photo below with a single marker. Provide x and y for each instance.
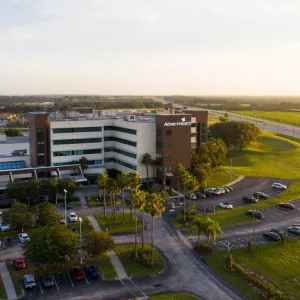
(155, 207)
(102, 182)
(183, 178)
(213, 228)
(113, 189)
(141, 206)
(201, 224)
(123, 183)
(137, 198)
(134, 183)
(146, 161)
(191, 186)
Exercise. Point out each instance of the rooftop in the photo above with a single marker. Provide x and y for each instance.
(15, 139)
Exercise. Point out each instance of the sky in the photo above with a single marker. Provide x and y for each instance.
(150, 47)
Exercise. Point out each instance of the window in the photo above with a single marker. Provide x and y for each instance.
(159, 155)
(168, 169)
(120, 151)
(120, 129)
(120, 162)
(90, 162)
(76, 152)
(194, 145)
(158, 144)
(158, 132)
(40, 135)
(168, 145)
(168, 156)
(168, 132)
(123, 141)
(194, 125)
(77, 141)
(20, 164)
(194, 134)
(76, 129)
(203, 133)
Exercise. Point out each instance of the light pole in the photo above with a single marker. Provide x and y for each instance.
(80, 238)
(65, 191)
(55, 174)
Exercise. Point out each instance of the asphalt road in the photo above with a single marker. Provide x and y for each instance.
(245, 187)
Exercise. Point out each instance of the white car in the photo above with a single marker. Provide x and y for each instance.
(23, 237)
(4, 227)
(279, 186)
(73, 217)
(191, 196)
(29, 281)
(294, 229)
(225, 205)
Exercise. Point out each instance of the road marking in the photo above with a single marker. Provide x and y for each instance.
(55, 282)
(184, 240)
(138, 288)
(70, 279)
(85, 277)
(38, 281)
(128, 289)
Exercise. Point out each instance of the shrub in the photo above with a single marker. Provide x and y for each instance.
(250, 246)
(143, 257)
(203, 248)
(229, 263)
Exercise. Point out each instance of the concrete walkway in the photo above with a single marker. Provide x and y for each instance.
(82, 196)
(7, 281)
(111, 254)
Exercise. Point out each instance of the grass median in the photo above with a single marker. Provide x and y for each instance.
(276, 263)
(134, 268)
(118, 227)
(173, 297)
(106, 267)
(86, 227)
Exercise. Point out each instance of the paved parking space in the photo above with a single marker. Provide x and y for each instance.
(245, 187)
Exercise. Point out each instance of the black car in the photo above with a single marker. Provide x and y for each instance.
(287, 205)
(255, 214)
(91, 272)
(260, 196)
(272, 236)
(249, 199)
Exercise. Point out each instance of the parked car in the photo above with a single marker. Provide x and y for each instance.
(250, 199)
(208, 192)
(73, 217)
(286, 205)
(63, 221)
(220, 191)
(19, 264)
(23, 237)
(47, 280)
(279, 186)
(77, 273)
(260, 196)
(294, 229)
(255, 214)
(228, 187)
(4, 227)
(225, 205)
(91, 271)
(191, 196)
(1, 212)
(29, 281)
(272, 236)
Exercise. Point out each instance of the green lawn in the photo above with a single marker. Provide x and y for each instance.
(276, 263)
(220, 178)
(270, 156)
(85, 226)
(212, 119)
(16, 277)
(3, 295)
(118, 227)
(291, 118)
(173, 297)
(132, 268)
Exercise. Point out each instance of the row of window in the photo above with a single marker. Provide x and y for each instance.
(168, 132)
(20, 164)
(120, 151)
(120, 129)
(76, 129)
(115, 139)
(77, 152)
(168, 156)
(120, 162)
(159, 144)
(77, 141)
(90, 162)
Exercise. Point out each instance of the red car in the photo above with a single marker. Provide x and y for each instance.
(19, 263)
(77, 273)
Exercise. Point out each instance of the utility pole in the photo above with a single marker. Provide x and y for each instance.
(230, 169)
(293, 131)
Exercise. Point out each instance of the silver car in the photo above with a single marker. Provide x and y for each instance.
(294, 229)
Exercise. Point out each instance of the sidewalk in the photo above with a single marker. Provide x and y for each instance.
(111, 254)
(81, 195)
(8, 284)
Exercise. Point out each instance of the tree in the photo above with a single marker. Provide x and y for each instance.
(146, 161)
(67, 184)
(123, 183)
(201, 224)
(113, 188)
(46, 214)
(98, 242)
(83, 161)
(134, 183)
(201, 175)
(19, 216)
(137, 199)
(16, 189)
(49, 187)
(191, 186)
(102, 183)
(57, 244)
(154, 206)
(13, 132)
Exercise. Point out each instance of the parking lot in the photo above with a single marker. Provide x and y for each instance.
(245, 187)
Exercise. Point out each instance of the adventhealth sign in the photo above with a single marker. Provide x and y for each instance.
(182, 123)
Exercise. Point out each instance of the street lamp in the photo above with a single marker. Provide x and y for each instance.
(80, 237)
(65, 191)
(55, 174)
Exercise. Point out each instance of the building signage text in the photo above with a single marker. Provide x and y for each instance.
(182, 123)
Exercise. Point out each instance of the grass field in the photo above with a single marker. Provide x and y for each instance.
(270, 156)
(220, 178)
(132, 268)
(276, 263)
(212, 119)
(85, 226)
(119, 226)
(173, 297)
(291, 118)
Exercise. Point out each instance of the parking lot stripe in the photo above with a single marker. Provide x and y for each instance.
(86, 279)
(128, 289)
(137, 287)
(70, 279)
(55, 283)
(39, 284)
